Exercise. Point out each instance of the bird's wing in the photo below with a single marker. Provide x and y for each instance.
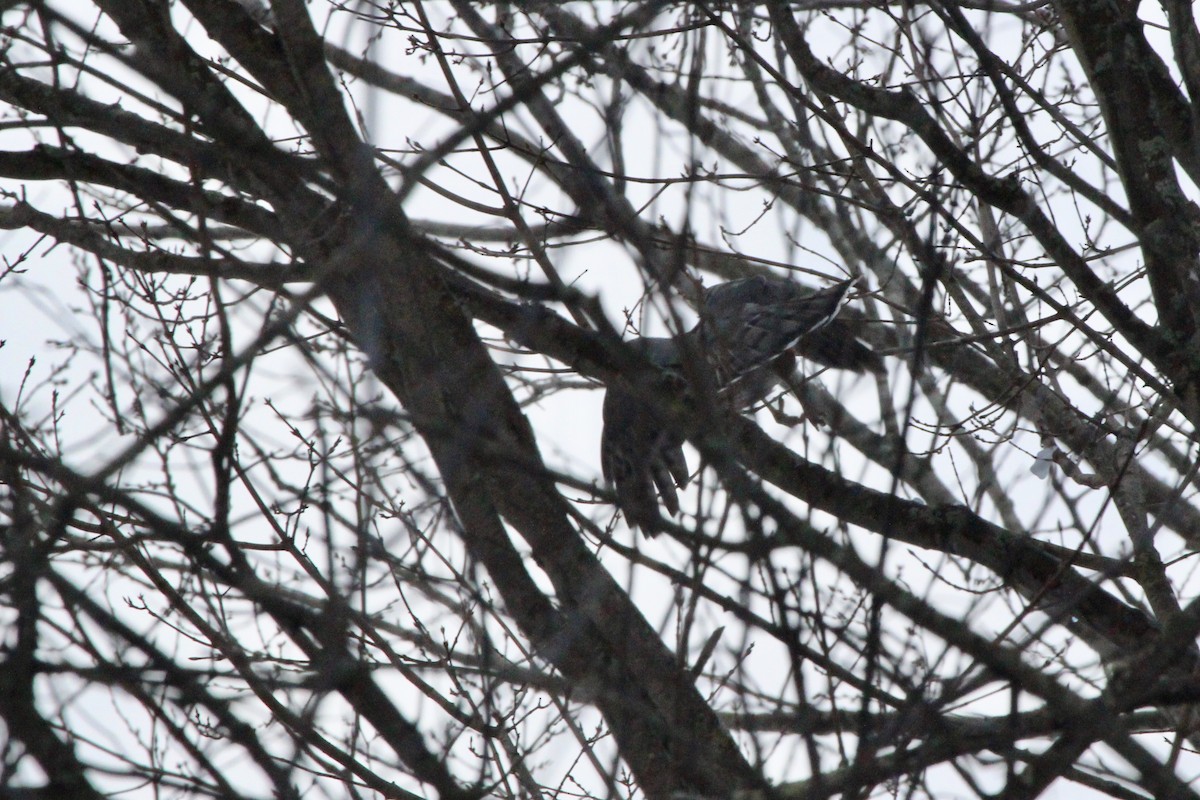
(748, 323)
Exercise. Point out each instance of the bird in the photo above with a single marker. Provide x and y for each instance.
(744, 345)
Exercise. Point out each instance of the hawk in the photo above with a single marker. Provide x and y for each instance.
(745, 343)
